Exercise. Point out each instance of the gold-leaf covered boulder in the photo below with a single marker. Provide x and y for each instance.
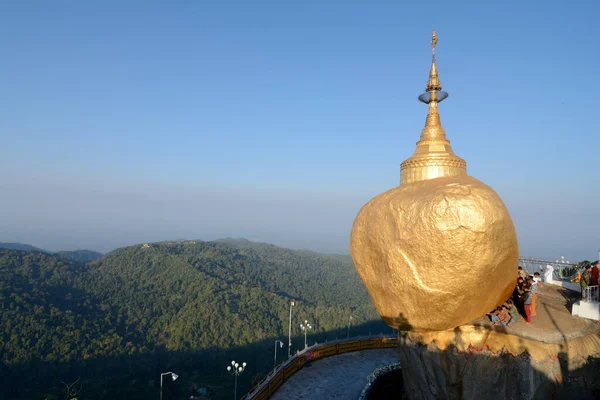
(440, 249)
(435, 254)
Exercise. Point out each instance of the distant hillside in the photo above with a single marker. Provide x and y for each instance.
(80, 256)
(19, 246)
(242, 243)
(185, 306)
(77, 256)
(236, 242)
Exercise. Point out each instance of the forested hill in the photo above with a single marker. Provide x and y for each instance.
(187, 306)
(77, 256)
(19, 246)
(80, 256)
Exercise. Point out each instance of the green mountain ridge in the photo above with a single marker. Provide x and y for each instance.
(77, 256)
(20, 246)
(186, 305)
(80, 256)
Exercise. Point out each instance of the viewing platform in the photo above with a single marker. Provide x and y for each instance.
(556, 356)
(553, 322)
(554, 330)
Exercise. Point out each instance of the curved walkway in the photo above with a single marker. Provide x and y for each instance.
(339, 377)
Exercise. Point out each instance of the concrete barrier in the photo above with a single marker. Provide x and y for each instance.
(550, 277)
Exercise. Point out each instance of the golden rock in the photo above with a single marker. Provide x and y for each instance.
(440, 249)
(435, 254)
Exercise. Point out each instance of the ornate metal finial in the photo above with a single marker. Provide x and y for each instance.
(433, 88)
(434, 40)
(433, 84)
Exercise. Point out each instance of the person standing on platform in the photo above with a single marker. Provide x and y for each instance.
(527, 299)
(595, 278)
(533, 288)
(595, 273)
(516, 296)
(586, 279)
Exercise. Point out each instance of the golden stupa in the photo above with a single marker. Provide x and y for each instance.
(440, 249)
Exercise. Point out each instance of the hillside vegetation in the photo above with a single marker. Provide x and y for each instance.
(118, 322)
(19, 246)
(77, 256)
(80, 256)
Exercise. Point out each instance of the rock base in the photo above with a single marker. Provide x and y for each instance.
(431, 373)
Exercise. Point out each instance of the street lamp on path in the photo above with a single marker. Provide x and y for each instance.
(290, 331)
(275, 357)
(349, 323)
(236, 369)
(305, 327)
(174, 376)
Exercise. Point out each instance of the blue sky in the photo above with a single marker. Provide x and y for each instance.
(124, 122)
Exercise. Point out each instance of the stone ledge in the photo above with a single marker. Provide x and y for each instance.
(553, 331)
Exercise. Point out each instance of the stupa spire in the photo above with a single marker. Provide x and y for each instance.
(434, 82)
(433, 157)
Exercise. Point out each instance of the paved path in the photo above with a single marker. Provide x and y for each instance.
(339, 377)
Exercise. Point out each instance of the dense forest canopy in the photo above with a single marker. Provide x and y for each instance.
(77, 256)
(189, 306)
(80, 256)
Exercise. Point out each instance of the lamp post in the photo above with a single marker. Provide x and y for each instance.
(235, 369)
(275, 357)
(349, 323)
(290, 331)
(173, 377)
(306, 327)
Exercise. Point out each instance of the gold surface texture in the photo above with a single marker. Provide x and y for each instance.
(440, 249)
(433, 157)
(435, 254)
(472, 338)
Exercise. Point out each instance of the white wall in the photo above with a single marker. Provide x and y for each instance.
(548, 278)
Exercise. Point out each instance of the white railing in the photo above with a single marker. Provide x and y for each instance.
(590, 294)
(557, 275)
(550, 276)
(561, 270)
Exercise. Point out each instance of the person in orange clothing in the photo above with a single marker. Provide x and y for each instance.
(595, 277)
(533, 288)
(595, 273)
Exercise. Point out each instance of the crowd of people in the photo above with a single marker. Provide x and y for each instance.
(524, 298)
(523, 301)
(589, 277)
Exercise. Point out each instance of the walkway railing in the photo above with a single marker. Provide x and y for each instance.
(590, 294)
(561, 270)
(268, 386)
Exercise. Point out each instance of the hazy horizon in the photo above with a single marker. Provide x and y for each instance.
(311, 246)
(123, 124)
(105, 216)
